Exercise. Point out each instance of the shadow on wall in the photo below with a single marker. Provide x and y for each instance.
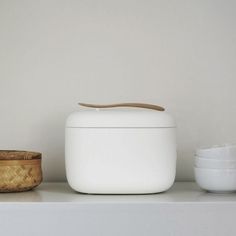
(49, 138)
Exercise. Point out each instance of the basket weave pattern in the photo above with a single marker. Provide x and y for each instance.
(19, 171)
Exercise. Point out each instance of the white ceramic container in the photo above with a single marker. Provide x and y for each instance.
(120, 151)
(216, 180)
(214, 163)
(225, 152)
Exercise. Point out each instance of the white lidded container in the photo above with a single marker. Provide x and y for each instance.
(120, 150)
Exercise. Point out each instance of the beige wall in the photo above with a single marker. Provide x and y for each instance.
(179, 54)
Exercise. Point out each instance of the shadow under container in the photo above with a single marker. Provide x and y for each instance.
(120, 151)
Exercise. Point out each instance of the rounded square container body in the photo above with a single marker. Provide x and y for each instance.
(120, 151)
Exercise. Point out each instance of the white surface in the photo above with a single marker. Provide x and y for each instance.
(120, 160)
(61, 193)
(216, 180)
(54, 209)
(121, 118)
(179, 54)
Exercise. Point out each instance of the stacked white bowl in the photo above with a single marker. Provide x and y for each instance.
(215, 168)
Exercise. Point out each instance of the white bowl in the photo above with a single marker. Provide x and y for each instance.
(216, 180)
(227, 152)
(214, 163)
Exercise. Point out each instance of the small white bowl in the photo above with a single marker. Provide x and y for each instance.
(227, 152)
(216, 180)
(214, 164)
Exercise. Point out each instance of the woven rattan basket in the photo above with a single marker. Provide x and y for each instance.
(19, 170)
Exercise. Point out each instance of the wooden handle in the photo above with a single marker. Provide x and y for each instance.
(139, 105)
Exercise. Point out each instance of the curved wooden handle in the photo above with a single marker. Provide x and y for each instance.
(139, 105)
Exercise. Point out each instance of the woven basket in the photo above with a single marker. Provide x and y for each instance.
(19, 170)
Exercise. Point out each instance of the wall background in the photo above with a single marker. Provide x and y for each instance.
(54, 53)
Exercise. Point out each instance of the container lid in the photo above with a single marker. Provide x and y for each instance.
(134, 117)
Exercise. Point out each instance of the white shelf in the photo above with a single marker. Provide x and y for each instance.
(55, 209)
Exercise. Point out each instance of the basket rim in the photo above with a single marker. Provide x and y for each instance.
(33, 155)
